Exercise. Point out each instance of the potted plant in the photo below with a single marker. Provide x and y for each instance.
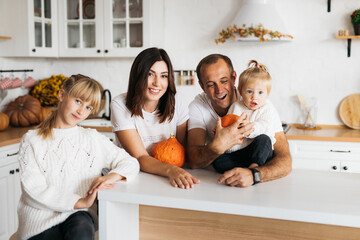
(355, 20)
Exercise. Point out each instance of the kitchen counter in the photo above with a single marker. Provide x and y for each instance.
(320, 199)
(339, 133)
(13, 135)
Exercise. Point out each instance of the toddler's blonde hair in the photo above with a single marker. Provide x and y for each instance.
(255, 72)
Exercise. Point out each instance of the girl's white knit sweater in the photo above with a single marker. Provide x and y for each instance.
(57, 172)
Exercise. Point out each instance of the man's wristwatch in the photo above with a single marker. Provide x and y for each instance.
(256, 175)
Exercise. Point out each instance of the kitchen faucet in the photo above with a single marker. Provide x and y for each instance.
(109, 101)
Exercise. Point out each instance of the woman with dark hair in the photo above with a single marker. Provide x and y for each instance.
(149, 112)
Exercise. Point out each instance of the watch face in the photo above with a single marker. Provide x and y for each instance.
(257, 177)
(256, 174)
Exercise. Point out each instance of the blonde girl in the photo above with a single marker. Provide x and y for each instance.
(60, 167)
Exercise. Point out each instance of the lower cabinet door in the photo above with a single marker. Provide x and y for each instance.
(8, 204)
(316, 164)
(350, 166)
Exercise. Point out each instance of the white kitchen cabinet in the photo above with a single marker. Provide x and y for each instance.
(103, 28)
(325, 155)
(32, 26)
(10, 190)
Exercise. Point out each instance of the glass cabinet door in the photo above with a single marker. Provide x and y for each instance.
(43, 24)
(127, 24)
(80, 23)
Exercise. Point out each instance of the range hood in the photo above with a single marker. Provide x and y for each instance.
(252, 13)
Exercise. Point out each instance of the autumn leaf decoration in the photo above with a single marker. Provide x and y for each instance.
(259, 31)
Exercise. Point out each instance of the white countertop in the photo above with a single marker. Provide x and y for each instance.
(307, 196)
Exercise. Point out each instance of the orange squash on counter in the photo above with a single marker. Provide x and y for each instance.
(24, 111)
(4, 121)
(169, 151)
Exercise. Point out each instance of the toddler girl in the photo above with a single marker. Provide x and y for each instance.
(254, 88)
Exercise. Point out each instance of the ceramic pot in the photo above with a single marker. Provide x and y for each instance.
(357, 29)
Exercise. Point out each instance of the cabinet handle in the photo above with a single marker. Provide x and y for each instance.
(12, 154)
(339, 151)
(12, 172)
(334, 167)
(17, 170)
(345, 168)
(98, 51)
(106, 51)
(34, 50)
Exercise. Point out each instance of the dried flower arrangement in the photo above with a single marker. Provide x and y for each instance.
(46, 91)
(244, 32)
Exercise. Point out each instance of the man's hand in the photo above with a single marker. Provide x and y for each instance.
(225, 138)
(237, 177)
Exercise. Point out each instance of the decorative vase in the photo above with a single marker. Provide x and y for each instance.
(357, 29)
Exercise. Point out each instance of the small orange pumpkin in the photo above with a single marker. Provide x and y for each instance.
(4, 121)
(24, 111)
(169, 151)
(228, 119)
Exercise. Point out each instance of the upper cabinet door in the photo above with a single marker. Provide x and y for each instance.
(34, 32)
(126, 27)
(102, 28)
(43, 28)
(80, 28)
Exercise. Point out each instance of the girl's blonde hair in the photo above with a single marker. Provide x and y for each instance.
(255, 72)
(77, 86)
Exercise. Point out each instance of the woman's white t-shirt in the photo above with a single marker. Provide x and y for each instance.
(149, 128)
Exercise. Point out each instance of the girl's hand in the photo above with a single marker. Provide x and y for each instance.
(178, 177)
(87, 201)
(104, 182)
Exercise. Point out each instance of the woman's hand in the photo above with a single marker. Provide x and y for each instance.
(178, 177)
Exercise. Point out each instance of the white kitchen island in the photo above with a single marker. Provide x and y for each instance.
(302, 205)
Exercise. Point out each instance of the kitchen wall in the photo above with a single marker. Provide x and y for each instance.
(313, 64)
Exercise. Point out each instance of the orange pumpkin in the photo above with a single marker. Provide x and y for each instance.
(45, 112)
(228, 119)
(24, 111)
(4, 121)
(169, 151)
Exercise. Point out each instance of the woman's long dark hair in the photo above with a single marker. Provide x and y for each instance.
(135, 98)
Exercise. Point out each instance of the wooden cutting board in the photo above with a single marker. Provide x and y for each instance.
(349, 111)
